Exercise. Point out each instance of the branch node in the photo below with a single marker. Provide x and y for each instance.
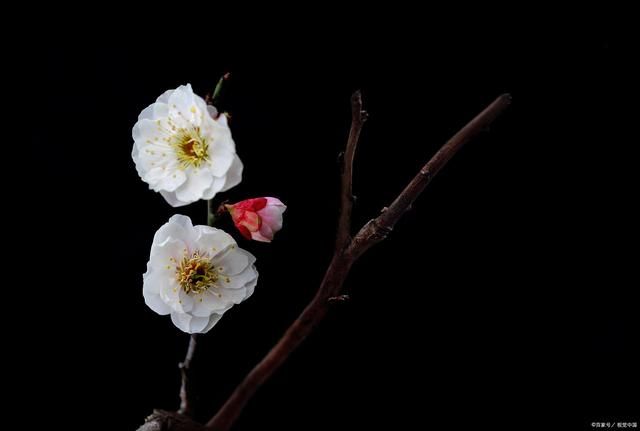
(161, 420)
(338, 299)
(384, 231)
(380, 230)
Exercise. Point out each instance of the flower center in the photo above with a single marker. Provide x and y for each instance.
(191, 148)
(196, 273)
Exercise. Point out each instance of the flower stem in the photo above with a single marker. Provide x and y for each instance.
(186, 408)
(218, 90)
(211, 213)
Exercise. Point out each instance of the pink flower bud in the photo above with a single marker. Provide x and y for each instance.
(258, 218)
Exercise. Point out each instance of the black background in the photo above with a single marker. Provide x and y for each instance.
(504, 298)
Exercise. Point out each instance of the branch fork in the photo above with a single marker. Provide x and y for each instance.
(347, 251)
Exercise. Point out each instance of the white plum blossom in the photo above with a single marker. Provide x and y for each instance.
(183, 149)
(196, 273)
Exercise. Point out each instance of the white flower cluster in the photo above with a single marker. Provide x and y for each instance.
(184, 150)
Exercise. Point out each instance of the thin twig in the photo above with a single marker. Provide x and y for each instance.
(211, 212)
(358, 117)
(186, 406)
(373, 232)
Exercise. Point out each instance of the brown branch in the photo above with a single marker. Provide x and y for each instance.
(186, 396)
(358, 117)
(377, 229)
(373, 232)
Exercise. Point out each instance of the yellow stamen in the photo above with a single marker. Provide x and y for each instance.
(190, 147)
(196, 273)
